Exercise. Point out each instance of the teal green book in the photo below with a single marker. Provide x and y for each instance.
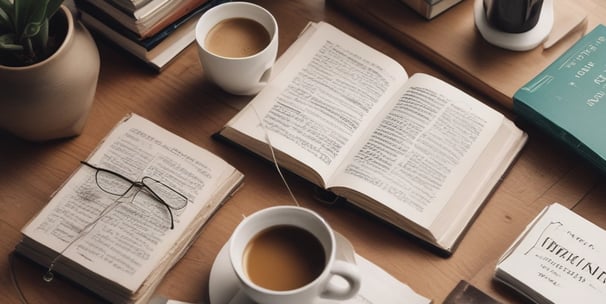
(568, 98)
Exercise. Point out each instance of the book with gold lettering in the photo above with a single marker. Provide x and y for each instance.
(559, 258)
(414, 151)
(129, 212)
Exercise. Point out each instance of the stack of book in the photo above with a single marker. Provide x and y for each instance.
(430, 8)
(155, 31)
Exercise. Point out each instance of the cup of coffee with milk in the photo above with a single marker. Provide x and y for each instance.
(289, 254)
(237, 46)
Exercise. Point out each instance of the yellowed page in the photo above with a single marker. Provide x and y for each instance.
(323, 98)
(420, 151)
(134, 236)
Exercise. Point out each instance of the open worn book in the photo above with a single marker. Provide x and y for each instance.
(559, 258)
(129, 212)
(414, 151)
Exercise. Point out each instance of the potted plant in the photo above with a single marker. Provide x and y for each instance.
(49, 67)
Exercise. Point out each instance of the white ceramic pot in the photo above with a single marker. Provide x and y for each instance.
(51, 99)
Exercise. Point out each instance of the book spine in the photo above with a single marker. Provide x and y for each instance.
(152, 41)
(129, 6)
(108, 20)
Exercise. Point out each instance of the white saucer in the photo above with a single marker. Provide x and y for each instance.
(378, 286)
(515, 41)
(223, 285)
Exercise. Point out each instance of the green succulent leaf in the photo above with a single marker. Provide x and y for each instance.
(52, 7)
(7, 6)
(40, 40)
(28, 23)
(7, 43)
(29, 14)
(31, 29)
(6, 16)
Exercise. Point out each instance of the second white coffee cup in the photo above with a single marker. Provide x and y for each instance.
(288, 254)
(225, 34)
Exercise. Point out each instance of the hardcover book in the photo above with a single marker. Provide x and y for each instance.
(144, 22)
(430, 8)
(156, 51)
(129, 212)
(567, 98)
(414, 151)
(150, 19)
(159, 54)
(559, 258)
(131, 5)
(466, 293)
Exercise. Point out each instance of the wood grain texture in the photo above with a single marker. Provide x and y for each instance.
(452, 43)
(181, 100)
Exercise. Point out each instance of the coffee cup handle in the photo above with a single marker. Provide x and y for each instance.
(264, 79)
(262, 82)
(350, 273)
(345, 250)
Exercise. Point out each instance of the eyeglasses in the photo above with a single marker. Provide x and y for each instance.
(117, 184)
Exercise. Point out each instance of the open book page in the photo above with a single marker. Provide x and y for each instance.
(419, 151)
(126, 244)
(559, 258)
(379, 287)
(322, 99)
(479, 182)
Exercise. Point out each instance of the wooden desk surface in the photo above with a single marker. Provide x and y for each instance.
(181, 100)
(452, 43)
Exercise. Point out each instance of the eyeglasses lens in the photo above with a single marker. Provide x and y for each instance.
(171, 197)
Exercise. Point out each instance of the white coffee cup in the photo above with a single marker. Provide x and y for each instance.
(338, 279)
(245, 75)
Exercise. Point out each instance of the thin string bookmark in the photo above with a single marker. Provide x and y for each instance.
(273, 156)
(49, 275)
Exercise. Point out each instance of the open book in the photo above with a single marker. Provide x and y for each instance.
(117, 241)
(416, 152)
(559, 258)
